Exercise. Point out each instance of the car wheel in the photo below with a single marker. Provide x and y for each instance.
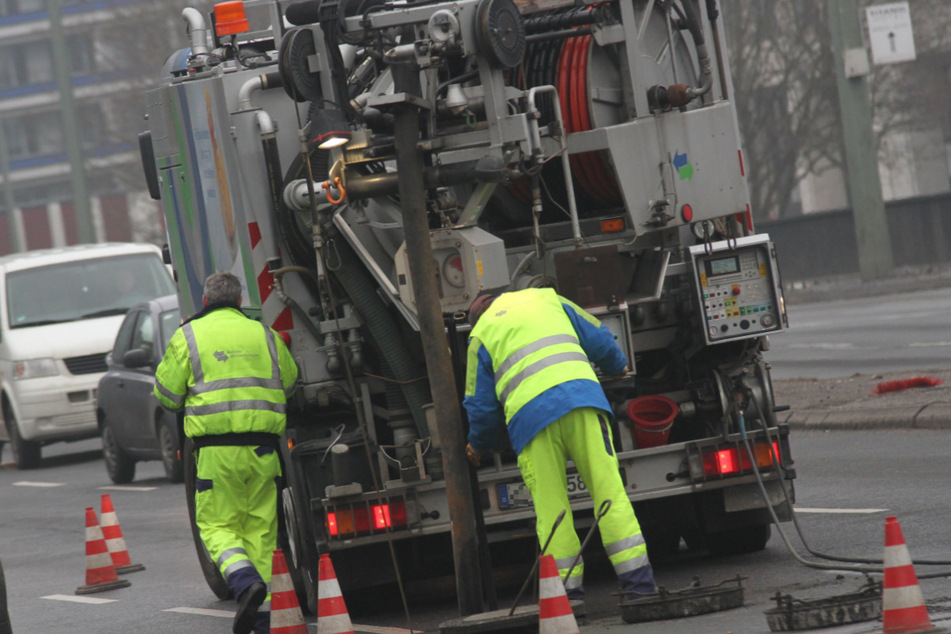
(168, 445)
(26, 453)
(5, 627)
(209, 568)
(119, 465)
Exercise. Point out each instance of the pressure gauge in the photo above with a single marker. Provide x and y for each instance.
(452, 270)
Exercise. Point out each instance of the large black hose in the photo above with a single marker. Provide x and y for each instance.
(352, 275)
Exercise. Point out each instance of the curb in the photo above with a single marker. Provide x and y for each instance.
(929, 416)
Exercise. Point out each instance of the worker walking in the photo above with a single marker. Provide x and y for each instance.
(232, 375)
(529, 369)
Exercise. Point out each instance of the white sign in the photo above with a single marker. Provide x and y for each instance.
(890, 34)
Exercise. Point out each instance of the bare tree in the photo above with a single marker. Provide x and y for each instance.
(785, 94)
(787, 101)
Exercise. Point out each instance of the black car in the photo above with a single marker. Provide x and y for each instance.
(133, 425)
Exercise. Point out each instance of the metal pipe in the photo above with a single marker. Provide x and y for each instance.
(566, 166)
(261, 82)
(196, 29)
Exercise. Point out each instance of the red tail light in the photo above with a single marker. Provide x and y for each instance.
(736, 460)
(351, 520)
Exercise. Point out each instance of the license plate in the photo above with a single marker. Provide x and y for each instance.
(517, 495)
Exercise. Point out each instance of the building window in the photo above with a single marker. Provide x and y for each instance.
(92, 125)
(81, 54)
(16, 7)
(34, 135)
(29, 63)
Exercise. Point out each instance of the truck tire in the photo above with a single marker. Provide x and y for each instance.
(738, 541)
(26, 453)
(209, 568)
(302, 562)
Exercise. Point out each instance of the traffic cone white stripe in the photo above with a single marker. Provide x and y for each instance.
(896, 556)
(101, 560)
(283, 618)
(335, 623)
(116, 544)
(902, 598)
(550, 586)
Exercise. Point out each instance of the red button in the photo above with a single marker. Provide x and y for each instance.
(736, 289)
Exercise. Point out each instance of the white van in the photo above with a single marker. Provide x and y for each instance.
(60, 310)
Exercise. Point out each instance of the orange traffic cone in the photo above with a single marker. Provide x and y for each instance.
(903, 606)
(100, 572)
(332, 615)
(115, 542)
(286, 617)
(554, 610)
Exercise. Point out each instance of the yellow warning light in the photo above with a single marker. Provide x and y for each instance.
(230, 18)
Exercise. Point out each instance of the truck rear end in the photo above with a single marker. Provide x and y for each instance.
(588, 147)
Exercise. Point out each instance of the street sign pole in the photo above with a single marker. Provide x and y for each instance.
(861, 152)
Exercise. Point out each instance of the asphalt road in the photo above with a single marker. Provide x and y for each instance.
(868, 335)
(848, 483)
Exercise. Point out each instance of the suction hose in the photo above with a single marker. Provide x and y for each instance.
(877, 566)
(360, 287)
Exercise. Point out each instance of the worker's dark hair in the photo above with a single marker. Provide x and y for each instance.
(479, 305)
(223, 288)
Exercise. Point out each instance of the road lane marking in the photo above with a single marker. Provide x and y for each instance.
(28, 483)
(225, 614)
(929, 344)
(125, 488)
(817, 510)
(77, 599)
(822, 345)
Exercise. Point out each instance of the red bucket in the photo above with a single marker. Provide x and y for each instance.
(652, 417)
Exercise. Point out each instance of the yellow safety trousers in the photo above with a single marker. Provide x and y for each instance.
(236, 510)
(581, 437)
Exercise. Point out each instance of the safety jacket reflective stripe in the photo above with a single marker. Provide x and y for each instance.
(525, 367)
(229, 373)
(176, 400)
(204, 387)
(533, 344)
(535, 368)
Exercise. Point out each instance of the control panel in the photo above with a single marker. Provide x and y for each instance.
(738, 286)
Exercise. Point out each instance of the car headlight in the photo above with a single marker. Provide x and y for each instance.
(35, 368)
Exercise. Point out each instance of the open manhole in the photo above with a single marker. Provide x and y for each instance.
(674, 604)
(794, 614)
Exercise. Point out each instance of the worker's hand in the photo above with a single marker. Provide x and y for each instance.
(624, 373)
(473, 456)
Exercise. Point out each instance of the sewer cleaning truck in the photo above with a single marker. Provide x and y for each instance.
(364, 165)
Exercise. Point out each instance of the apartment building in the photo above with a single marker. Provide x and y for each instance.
(68, 96)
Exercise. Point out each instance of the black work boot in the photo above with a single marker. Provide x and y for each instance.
(248, 604)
